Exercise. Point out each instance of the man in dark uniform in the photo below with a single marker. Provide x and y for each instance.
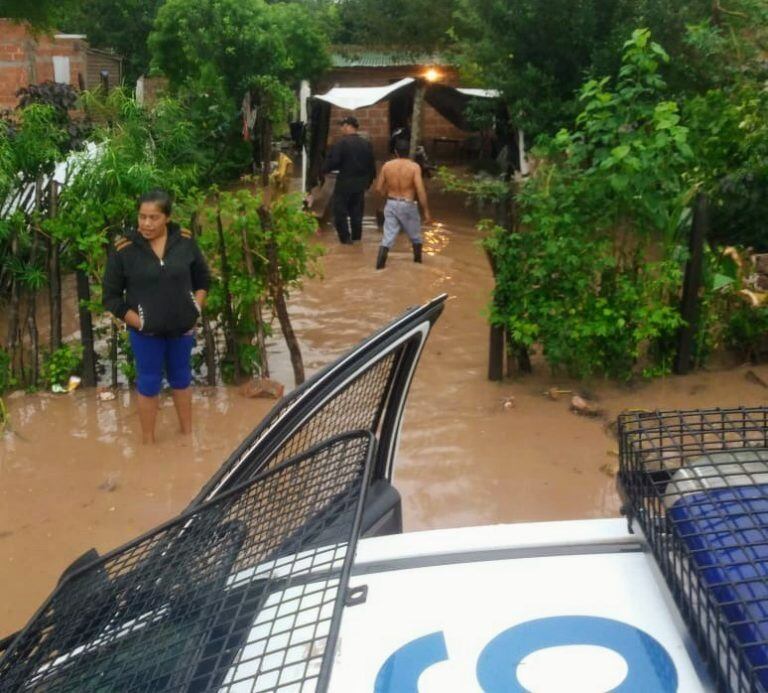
(352, 157)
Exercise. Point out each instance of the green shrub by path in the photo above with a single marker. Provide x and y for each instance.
(729, 134)
(240, 298)
(8, 380)
(593, 272)
(61, 364)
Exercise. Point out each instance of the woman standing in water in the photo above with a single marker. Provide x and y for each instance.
(156, 281)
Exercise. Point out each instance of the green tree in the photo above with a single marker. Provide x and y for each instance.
(538, 53)
(729, 122)
(251, 49)
(41, 14)
(29, 149)
(244, 255)
(404, 24)
(243, 41)
(122, 25)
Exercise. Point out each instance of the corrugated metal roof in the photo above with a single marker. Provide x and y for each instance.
(351, 56)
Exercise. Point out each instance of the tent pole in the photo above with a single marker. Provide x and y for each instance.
(304, 94)
(417, 117)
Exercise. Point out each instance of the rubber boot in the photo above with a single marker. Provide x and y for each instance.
(381, 260)
(417, 252)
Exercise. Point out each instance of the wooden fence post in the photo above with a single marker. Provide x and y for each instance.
(689, 305)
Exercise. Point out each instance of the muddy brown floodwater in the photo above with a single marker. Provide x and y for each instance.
(72, 475)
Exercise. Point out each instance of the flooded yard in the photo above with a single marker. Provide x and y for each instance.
(73, 475)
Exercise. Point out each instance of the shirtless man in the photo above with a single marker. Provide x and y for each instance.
(401, 183)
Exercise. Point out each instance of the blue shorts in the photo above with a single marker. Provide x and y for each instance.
(155, 354)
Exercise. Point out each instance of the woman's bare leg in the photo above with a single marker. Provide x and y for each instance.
(147, 407)
(183, 401)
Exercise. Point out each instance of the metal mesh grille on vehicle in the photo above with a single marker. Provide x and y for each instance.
(697, 483)
(357, 406)
(364, 389)
(243, 593)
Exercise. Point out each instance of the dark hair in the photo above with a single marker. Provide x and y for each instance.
(350, 120)
(402, 146)
(159, 197)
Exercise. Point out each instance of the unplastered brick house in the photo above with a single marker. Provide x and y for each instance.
(360, 67)
(31, 58)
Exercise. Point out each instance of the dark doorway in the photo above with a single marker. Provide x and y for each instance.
(400, 109)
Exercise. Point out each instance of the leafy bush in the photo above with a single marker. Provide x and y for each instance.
(61, 364)
(729, 135)
(593, 273)
(63, 99)
(127, 364)
(7, 379)
(746, 330)
(239, 259)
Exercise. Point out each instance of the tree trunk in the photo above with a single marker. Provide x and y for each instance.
(13, 341)
(34, 335)
(274, 280)
(210, 351)
(208, 337)
(264, 361)
(113, 354)
(256, 310)
(54, 271)
(229, 320)
(278, 298)
(34, 339)
(86, 328)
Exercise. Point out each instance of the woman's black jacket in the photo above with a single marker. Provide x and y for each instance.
(161, 291)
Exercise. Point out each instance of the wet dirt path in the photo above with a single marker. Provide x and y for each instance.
(72, 475)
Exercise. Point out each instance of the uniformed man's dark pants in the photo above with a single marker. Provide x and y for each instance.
(348, 211)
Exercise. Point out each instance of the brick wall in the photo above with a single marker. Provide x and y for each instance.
(374, 121)
(27, 59)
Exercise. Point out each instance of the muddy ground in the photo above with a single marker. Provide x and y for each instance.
(73, 476)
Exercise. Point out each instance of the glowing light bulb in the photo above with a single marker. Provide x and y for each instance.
(431, 75)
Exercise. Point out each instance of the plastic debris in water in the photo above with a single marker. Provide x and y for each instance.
(74, 383)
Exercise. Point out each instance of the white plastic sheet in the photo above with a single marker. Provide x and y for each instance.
(352, 98)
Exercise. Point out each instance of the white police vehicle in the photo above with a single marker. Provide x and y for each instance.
(288, 573)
